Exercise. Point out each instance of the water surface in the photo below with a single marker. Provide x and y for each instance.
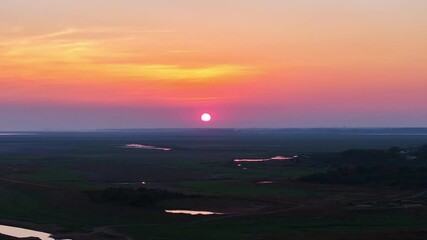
(24, 233)
(276, 158)
(192, 212)
(141, 146)
(13, 134)
(266, 182)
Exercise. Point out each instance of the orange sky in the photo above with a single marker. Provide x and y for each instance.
(251, 63)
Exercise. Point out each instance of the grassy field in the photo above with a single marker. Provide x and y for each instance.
(45, 179)
(280, 227)
(245, 189)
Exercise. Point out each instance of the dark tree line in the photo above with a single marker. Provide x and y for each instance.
(140, 197)
(393, 167)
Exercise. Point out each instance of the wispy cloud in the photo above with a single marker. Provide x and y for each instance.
(187, 51)
(177, 72)
(195, 99)
(65, 32)
(75, 31)
(71, 54)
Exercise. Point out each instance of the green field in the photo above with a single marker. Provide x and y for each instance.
(46, 182)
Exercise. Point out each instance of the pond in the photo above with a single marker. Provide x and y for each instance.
(276, 158)
(141, 146)
(192, 212)
(25, 233)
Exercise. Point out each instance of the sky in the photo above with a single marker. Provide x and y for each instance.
(79, 65)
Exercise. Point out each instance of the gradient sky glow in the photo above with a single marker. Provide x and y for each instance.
(250, 63)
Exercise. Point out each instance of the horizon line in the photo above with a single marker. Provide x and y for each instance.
(215, 128)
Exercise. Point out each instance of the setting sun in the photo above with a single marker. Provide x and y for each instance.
(206, 117)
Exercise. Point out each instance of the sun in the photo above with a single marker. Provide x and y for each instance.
(206, 117)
